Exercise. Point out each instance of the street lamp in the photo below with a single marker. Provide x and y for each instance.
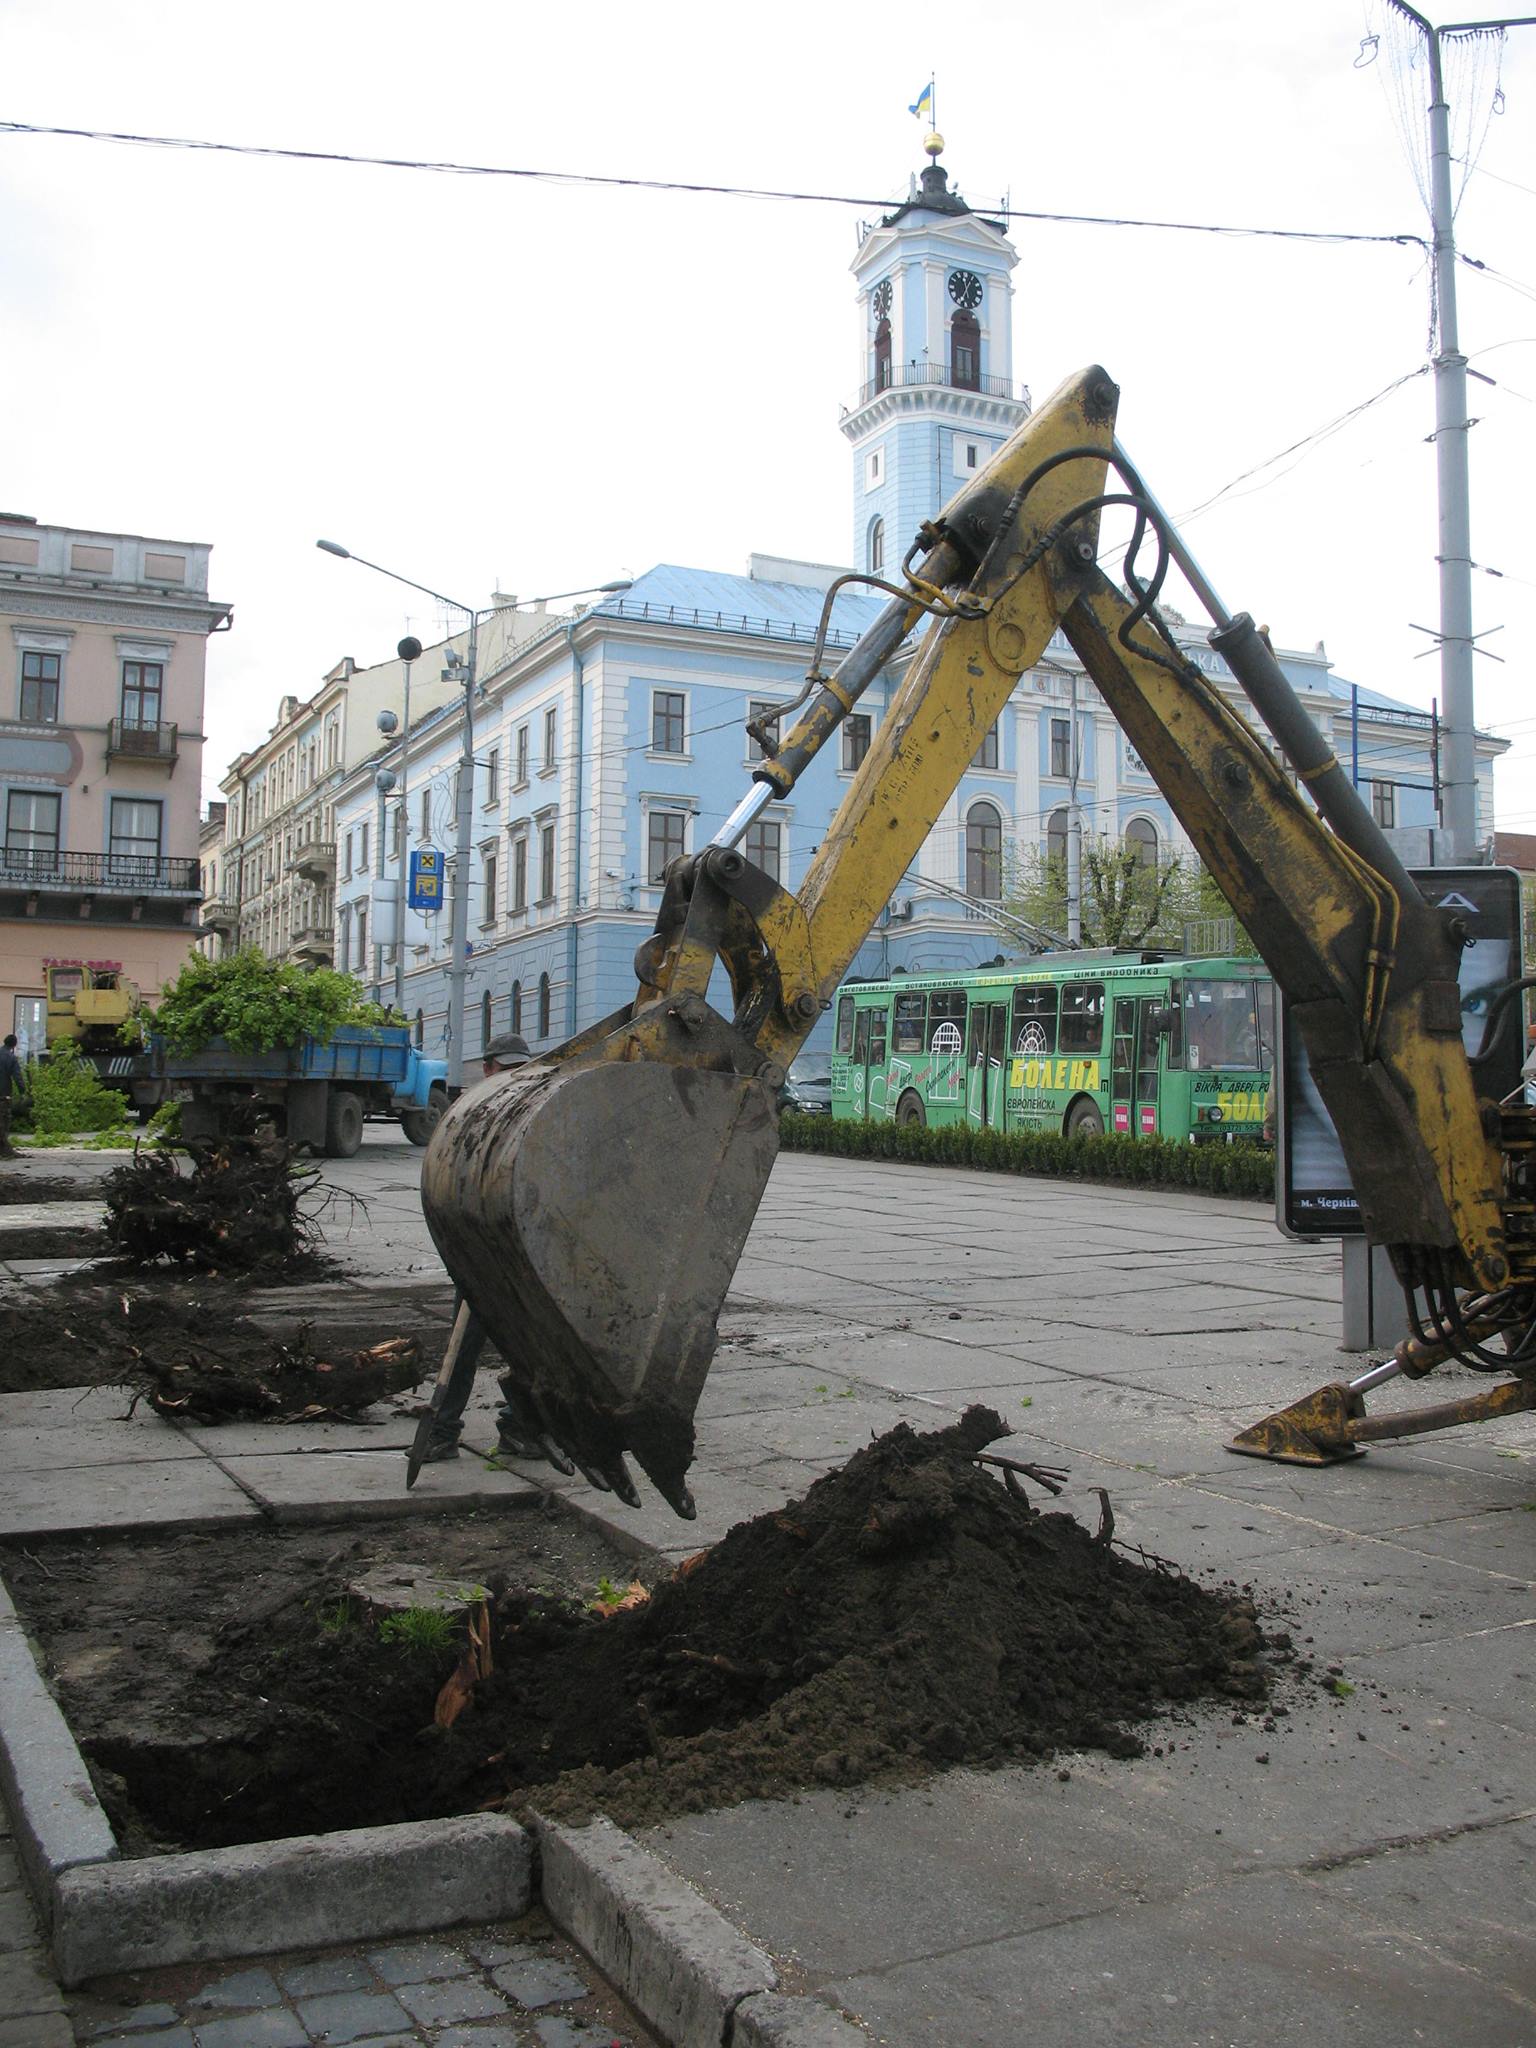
(458, 969)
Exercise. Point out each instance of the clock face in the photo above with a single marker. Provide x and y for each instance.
(882, 298)
(965, 289)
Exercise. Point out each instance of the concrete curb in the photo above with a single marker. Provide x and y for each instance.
(299, 1893)
(58, 1819)
(688, 1972)
(679, 1961)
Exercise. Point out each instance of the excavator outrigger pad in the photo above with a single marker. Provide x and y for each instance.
(1330, 1425)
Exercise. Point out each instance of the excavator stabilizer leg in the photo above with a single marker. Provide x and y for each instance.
(593, 1211)
(1310, 1432)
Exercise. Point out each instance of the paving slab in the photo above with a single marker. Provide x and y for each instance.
(361, 1482)
(170, 1492)
(1244, 1965)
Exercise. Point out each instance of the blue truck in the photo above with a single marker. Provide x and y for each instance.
(319, 1095)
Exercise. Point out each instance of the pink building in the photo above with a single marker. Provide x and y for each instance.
(103, 646)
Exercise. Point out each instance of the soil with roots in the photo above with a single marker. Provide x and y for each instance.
(910, 1613)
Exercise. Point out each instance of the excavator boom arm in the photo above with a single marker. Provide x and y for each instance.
(594, 1204)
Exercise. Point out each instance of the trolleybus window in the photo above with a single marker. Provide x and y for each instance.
(844, 1024)
(1221, 1025)
(946, 1014)
(907, 1021)
(1082, 1016)
(1034, 1019)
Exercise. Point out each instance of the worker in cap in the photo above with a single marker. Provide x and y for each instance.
(507, 1050)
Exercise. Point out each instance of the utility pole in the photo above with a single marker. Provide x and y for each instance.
(1451, 468)
(464, 805)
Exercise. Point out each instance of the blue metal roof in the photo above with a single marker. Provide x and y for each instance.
(670, 594)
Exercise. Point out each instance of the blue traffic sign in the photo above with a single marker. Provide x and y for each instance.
(424, 889)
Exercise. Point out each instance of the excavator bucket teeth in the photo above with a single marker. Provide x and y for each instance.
(1312, 1431)
(593, 1214)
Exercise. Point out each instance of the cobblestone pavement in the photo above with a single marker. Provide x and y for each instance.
(519, 1985)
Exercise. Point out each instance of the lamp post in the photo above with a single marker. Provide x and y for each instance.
(458, 969)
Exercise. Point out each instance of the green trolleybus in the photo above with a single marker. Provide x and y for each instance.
(1087, 1042)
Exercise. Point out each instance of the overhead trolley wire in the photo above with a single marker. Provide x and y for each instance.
(448, 168)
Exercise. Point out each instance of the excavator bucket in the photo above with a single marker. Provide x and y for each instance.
(593, 1210)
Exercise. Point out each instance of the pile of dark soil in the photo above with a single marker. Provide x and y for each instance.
(236, 1210)
(280, 1382)
(192, 1351)
(909, 1613)
(23, 1187)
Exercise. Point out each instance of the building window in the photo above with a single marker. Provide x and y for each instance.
(362, 938)
(32, 831)
(517, 1007)
(492, 877)
(765, 715)
(965, 352)
(522, 756)
(332, 742)
(983, 853)
(135, 836)
(40, 688)
(485, 1022)
(855, 738)
(362, 849)
(426, 813)
(547, 863)
(876, 547)
(143, 682)
(1141, 839)
(493, 776)
(764, 846)
(666, 839)
(346, 858)
(883, 355)
(543, 1006)
(397, 832)
(1056, 836)
(989, 753)
(421, 1030)
(1061, 746)
(519, 877)
(1384, 803)
(668, 710)
(551, 736)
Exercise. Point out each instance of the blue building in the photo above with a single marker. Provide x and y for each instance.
(615, 739)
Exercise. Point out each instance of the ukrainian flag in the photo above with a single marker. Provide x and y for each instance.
(922, 106)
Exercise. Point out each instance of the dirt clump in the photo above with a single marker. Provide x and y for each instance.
(183, 1335)
(909, 1613)
(238, 1209)
(21, 1187)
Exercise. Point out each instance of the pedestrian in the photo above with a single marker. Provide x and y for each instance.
(13, 1082)
(502, 1055)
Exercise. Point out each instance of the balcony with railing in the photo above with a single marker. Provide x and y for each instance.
(134, 739)
(896, 376)
(314, 946)
(39, 868)
(315, 862)
(221, 917)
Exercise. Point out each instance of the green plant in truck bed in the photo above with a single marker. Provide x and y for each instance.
(255, 1004)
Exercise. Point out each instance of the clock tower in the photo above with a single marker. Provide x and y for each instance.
(936, 394)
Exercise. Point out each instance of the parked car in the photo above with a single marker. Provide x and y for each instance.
(807, 1086)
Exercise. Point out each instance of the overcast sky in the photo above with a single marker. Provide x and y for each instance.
(487, 381)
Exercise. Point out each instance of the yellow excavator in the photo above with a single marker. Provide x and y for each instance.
(592, 1205)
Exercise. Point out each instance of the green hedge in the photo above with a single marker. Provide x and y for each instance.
(1133, 1162)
